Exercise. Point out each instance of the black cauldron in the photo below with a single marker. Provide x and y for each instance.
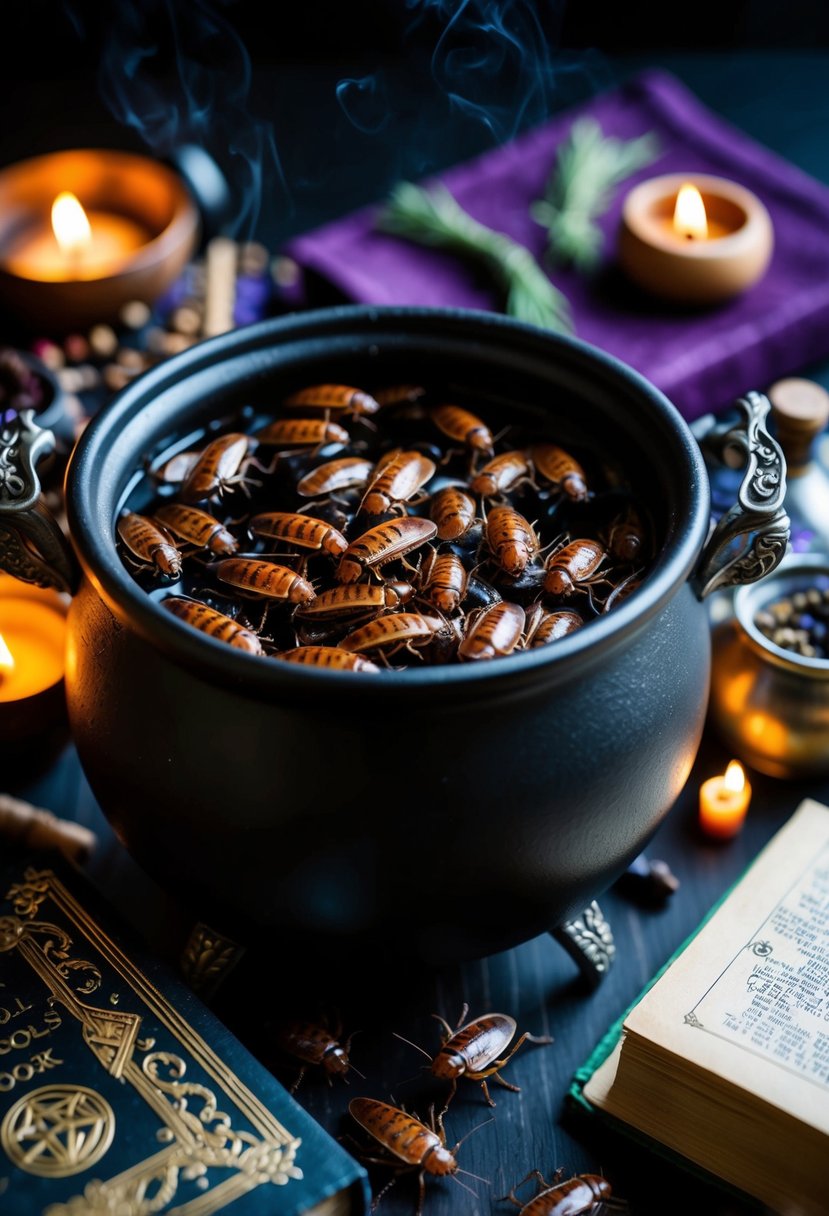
(446, 812)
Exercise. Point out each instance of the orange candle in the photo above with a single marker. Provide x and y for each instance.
(32, 660)
(76, 244)
(723, 802)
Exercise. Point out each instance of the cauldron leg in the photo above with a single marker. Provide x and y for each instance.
(208, 959)
(589, 942)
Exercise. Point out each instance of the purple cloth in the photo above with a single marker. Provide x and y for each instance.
(701, 359)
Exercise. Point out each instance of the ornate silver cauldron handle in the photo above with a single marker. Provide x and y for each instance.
(32, 546)
(751, 538)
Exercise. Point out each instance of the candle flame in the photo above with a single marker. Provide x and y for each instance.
(735, 777)
(6, 658)
(690, 219)
(69, 223)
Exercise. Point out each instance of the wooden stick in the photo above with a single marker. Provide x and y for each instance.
(39, 829)
(220, 286)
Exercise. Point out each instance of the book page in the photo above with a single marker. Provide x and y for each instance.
(748, 999)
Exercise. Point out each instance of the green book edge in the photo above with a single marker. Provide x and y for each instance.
(575, 1094)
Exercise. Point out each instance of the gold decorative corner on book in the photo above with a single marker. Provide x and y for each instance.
(214, 1139)
(208, 959)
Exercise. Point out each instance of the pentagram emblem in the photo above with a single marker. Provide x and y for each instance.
(58, 1130)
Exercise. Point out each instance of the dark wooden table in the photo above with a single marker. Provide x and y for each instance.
(536, 982)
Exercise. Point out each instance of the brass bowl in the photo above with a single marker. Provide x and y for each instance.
(771, 705)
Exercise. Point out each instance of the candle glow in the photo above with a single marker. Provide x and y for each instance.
(723, 802)
(70, 224)
(6, 659)
(690, 219)
(735, 777)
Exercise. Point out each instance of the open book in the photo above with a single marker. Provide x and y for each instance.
(725, 1059)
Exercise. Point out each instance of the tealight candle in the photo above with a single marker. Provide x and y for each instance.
(723, 802)
(74, 244)
(693, 238)
(32, 660)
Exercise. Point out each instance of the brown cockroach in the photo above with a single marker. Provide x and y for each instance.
(494, 632)
(551, 626)
(332, 657)
(443, 582)
(176, 469)
(501, 474)
(383, 543)
(453, 511)
(399, 394)
(302, 433)
(264, 578)
(302, 530)
(397, 478)
(315, 1044)
(627, 537)
(511, 540)
(578, 1196)
(573, 567)
(218, 468)
(474, 1050)
(196, 526)
(560, 469)
(150, 543)
(351, 599)
(214, 624)
(345, 474)
(402, 631)
(408, 1144)
(462, 426)
(334, 397)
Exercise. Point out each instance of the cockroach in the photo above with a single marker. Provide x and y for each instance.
(302, 433)
(444, 582)
(453, 512)
(315, 1044)
(332, 657)
(196, 526)
(218, 468)
(577, 1196)
(304, 531)
(560, 469)
(383, 543)
(627, 537)
(462, 426)
(334, 397)
(408, 1144)
(551, 626)
(176, 469)
(511, 540)
(494, 632)
(574, 567)
(347, 473)
(397, 478)
(214, 624)
(399, 394)
(351, 599)
(402, 631)
(150, 543)
(474, 1051)
(501, 474)
(264, 578)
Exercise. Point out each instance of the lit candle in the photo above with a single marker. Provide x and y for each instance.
(32, 660)
(723, 802)
(74, 244)
(698, 241)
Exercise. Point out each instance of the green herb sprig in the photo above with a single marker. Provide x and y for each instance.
(433, 218)
(589, 166)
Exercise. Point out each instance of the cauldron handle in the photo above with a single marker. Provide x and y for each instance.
(589, 942)
(32, 546)
(751, 538)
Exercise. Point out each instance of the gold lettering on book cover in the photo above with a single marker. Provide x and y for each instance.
(57, 1130)
(195, 1135)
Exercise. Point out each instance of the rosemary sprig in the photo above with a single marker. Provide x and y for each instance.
(588, 168)
(433, 218)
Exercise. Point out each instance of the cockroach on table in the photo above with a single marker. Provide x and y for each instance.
(582, 1195)
(314, 1044)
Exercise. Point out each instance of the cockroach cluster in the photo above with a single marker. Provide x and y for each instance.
(358, 530)
(401, 1142)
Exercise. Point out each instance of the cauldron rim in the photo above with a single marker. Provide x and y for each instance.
(93, 492)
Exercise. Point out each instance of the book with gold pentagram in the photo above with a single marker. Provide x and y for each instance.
(120, 1093)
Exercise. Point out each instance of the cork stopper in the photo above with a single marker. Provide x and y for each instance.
(800, 409)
